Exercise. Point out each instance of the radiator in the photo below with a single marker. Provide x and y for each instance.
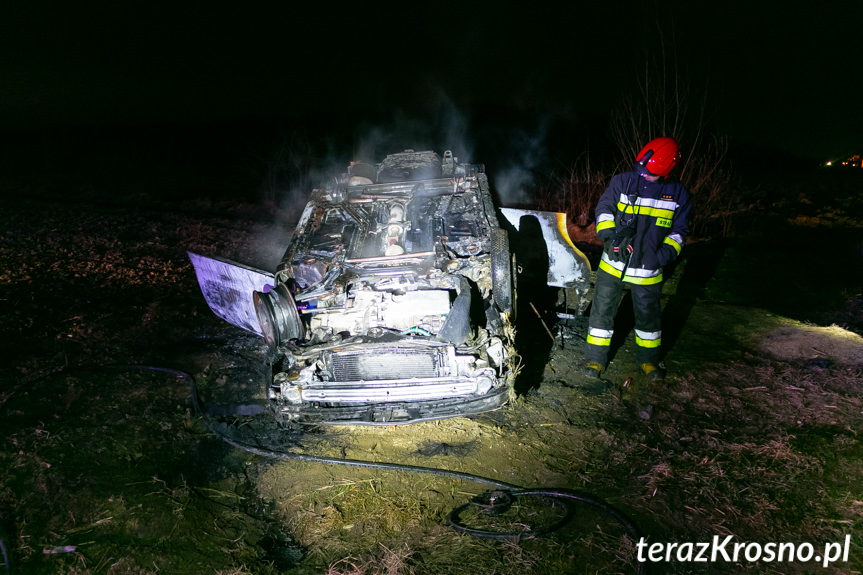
(394, 363)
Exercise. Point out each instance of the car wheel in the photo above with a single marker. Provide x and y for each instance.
(277, 315)
(501, 272)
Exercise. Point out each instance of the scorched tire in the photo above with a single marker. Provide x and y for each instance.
(501, 272)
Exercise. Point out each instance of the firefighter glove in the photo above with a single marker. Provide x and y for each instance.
(665, 255)
(618, 249)
(608, 248)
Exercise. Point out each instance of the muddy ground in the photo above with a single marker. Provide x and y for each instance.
(105, 466)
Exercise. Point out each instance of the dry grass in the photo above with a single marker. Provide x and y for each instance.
(334, 519)
(387, 562)
(759, 450)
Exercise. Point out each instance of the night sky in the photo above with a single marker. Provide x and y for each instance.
(783, 76)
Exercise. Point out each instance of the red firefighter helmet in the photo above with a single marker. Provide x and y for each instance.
(658, 157)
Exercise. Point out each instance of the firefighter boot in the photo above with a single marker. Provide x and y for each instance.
(592, 370)
(654, 374)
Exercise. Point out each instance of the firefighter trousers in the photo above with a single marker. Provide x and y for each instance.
(647, 309)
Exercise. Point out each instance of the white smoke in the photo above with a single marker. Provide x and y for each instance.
(302, 161)
(524, 154)
(442, 126)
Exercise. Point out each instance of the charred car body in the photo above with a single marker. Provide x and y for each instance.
(393, 302)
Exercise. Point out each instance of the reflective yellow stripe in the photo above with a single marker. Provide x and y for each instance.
(647, 342)
(645, 211)
(677, 247)
(599, 340)
(604, 225)
(606, 267)
(640, 281)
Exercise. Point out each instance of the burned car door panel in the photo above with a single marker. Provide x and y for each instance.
(392, 303)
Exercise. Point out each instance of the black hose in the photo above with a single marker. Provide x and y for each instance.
(452, 519)
(626, 522)
(196, 403)
(361, 463)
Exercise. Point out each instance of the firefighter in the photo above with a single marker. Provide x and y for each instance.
(641, 219)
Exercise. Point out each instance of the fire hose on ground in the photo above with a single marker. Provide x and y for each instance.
(492, 502)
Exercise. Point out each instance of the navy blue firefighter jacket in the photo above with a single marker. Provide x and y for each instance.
(652, 217)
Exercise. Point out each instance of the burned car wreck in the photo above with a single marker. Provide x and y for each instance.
(393, 302)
